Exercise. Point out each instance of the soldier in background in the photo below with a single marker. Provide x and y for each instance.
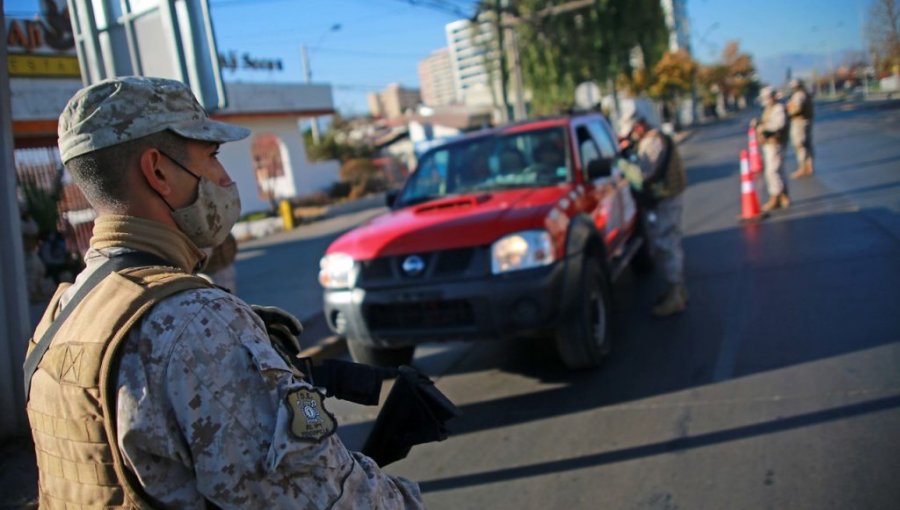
(179, 400)
(772, 129)
(800, 110)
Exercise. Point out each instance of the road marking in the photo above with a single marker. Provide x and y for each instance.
(734, 327)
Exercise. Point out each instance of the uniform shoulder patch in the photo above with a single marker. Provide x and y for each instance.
(310, 421)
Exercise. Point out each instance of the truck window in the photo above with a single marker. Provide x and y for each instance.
(587, 149)
(603, 137)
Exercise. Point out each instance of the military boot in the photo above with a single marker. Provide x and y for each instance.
(784, 201)
(674, 302)
(771, 204)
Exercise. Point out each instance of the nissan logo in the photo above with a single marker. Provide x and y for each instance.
(413, 265)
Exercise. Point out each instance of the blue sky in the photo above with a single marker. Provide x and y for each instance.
(381, 41)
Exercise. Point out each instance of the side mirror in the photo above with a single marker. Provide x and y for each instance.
(598, 168)
(391, 196)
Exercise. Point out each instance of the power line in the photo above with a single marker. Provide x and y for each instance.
(233, 3)
(443, 6)
(364, 53)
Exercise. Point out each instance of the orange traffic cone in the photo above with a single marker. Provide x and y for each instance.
(749, 203)
(756, 163)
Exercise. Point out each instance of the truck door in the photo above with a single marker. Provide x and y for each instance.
(600, 186)
(624, 201)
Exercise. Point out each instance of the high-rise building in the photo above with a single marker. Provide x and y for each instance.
(436, 79)
(473, 49)
(393, 101)
(677, 22)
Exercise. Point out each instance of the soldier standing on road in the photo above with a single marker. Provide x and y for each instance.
(772, 129)
(664, 180)
(800, 110)
(147, 398)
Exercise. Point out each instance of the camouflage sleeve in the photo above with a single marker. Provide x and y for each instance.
(248, 434)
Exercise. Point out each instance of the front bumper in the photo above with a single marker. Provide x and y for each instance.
(516, 304)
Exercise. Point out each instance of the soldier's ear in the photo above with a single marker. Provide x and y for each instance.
(155, 171)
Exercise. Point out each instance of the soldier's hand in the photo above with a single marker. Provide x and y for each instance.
(284, 331)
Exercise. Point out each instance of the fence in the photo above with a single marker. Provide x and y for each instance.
(42, 169)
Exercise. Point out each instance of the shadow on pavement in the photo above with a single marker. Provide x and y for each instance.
(662, 447)
(763, 297)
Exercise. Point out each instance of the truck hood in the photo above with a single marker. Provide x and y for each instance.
(453, 222)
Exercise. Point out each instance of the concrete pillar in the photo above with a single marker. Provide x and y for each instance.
(15, 324)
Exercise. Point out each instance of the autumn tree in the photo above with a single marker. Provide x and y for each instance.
(673, 78)
(739, 71)
(729, 80)
(883, 28)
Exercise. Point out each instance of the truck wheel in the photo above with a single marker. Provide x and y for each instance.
(584, 339)
(380, 356)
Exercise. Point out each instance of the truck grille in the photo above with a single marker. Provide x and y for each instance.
(439, 265)
(419, 315)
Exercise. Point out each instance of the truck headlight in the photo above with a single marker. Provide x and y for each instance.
(522, 250)
(337, 271)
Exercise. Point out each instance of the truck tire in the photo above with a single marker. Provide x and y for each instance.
(380, 356)
(584, 338)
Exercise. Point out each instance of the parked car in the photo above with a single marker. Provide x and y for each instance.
(512, 232)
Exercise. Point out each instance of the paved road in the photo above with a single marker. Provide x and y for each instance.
(779, 388)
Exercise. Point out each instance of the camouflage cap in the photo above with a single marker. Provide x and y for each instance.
(122, 109)
(627, 123)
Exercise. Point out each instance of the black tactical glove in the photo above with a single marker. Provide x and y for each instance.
(415, 412)
(284, 332)
(346, 380)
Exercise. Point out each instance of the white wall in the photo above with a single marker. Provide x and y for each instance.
(301, 177)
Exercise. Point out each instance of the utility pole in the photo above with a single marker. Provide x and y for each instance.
(307, 72)
(519, 111)
(504, 70)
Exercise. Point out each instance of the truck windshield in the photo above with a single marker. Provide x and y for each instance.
(526, 159)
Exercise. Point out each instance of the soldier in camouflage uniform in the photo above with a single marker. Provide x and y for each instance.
(772, 129)
(664, 182)
(205, 412)
(800, 110)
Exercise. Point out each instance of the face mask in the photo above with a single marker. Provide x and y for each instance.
(208, 220)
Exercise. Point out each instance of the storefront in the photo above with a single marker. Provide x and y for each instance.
(269, 166)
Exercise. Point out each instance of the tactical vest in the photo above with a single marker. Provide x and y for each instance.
(805, 110)
(672, 180)
(676, 179)
(781, 136)
(72, 401)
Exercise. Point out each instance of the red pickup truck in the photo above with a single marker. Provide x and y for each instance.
(506, 233)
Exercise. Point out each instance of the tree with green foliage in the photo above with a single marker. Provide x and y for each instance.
(591, 41)
(42, 201)
(332, 144)
(363, 176)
